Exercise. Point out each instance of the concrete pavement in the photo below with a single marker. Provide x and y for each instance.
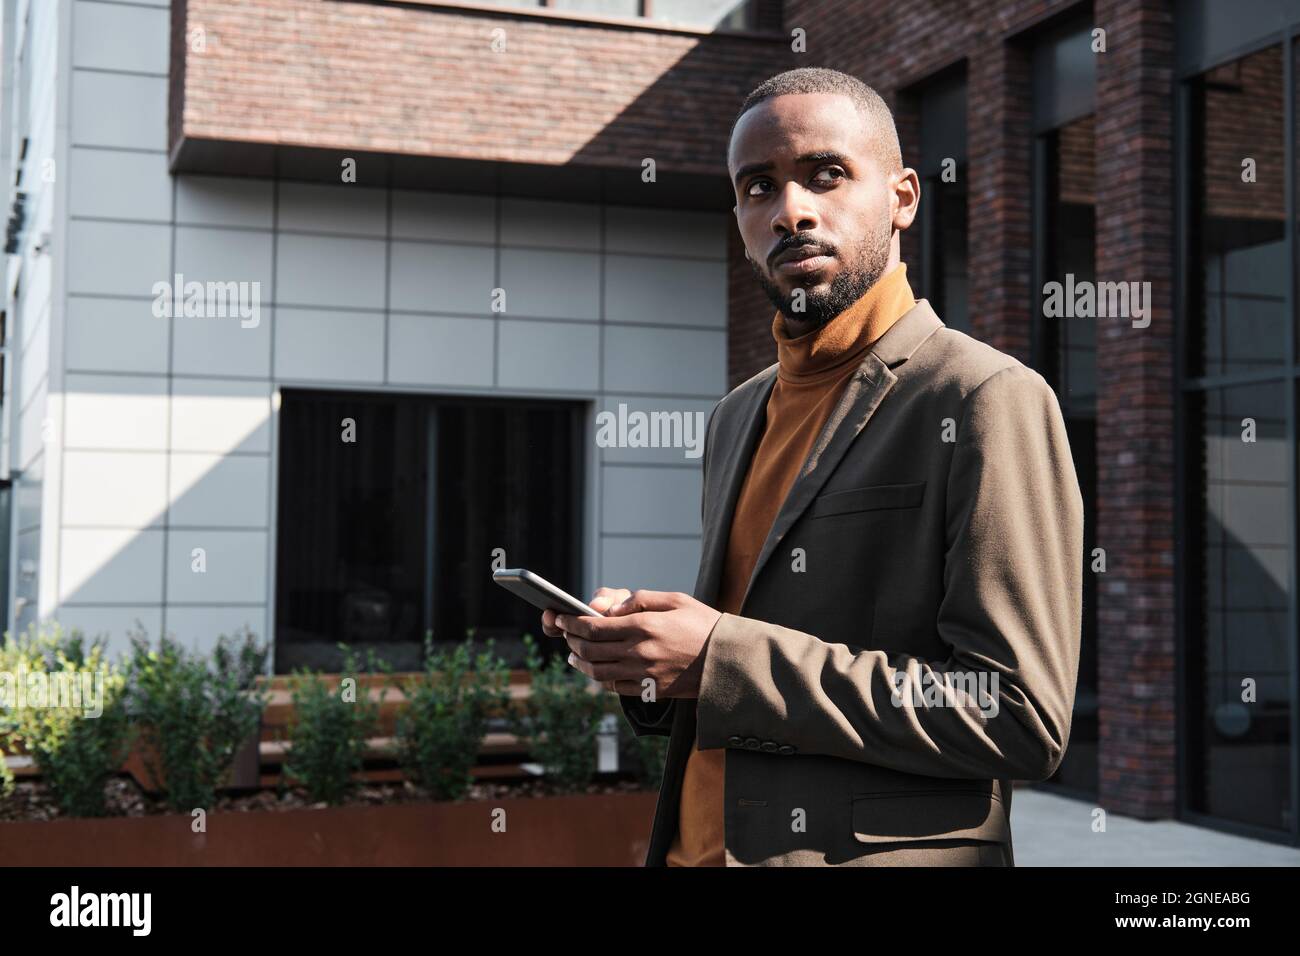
(1051, 830)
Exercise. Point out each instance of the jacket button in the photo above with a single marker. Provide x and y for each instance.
(769, 747)
(785, 749)
(751, 743)
(735, 741)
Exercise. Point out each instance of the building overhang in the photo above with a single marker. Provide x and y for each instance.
(449, 98)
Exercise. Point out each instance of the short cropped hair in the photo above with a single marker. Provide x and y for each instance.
(813, 79)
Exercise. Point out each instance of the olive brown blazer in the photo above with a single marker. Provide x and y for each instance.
(909, 641)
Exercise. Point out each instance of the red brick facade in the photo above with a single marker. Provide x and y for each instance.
(427, 81)
(1135, 412)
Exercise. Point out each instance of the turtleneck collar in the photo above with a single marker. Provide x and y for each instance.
(823, 352)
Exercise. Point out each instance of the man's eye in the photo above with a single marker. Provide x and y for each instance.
(757, 187)
(829, 174)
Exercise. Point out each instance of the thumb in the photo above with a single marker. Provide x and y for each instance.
(645, 601)
(605, 597)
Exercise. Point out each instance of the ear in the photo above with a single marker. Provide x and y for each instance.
(905, 198)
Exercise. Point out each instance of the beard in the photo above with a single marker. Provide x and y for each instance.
(849, 285)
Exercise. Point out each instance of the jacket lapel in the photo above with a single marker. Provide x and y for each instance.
(751, 419)
(862, 395)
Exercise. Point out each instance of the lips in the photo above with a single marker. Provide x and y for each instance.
(802, 260)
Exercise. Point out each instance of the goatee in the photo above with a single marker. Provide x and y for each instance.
(820, 307)
(846, 288)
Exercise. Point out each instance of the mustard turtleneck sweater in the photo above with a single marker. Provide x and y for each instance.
(814, 369)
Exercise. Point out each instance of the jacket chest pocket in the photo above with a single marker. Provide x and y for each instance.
(872, 498)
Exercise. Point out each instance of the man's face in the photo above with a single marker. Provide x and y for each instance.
(814, 206)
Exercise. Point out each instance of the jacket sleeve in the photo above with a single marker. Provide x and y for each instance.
(1011, 611)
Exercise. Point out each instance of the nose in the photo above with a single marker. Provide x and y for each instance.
(794, 211)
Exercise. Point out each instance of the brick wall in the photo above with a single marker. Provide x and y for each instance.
(426, 81)
(1135, 415)
(1244, 103)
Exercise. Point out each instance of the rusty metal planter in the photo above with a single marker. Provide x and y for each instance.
(582, 830)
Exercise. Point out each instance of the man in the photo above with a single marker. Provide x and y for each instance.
(885, 628)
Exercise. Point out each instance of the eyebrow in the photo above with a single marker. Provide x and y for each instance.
(821, 156)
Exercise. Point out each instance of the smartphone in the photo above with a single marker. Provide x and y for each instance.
(539, 592)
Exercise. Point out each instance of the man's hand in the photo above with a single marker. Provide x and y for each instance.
(661, 635)
(601, 601)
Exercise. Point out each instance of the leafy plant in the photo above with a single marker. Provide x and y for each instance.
(69, 714)
(560, 719)
(446, 716)
(194, 714)
(241, 658)
(330, 729)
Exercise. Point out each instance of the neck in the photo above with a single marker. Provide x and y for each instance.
(807, 350)
(797, 327)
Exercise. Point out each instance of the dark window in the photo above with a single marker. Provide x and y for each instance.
(1241, 509)
(728, 14)
(1062, 67)
(945, 235)
(392, 534)
(1067, 358)
(607, 8)
(1069, 345)
(940, 276)
(713, 14)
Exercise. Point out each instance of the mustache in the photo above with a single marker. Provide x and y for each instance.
(799, 242)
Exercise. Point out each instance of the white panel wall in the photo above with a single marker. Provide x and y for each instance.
(29, 413)
(169, 440)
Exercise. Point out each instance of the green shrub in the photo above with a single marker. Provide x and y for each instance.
(240, 658)
(7, 726)
(79, 734)
(330, 728)
(560, 719)
(194, 714)
(441, 729)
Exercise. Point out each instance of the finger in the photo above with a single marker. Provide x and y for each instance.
(548, 625)
(579, 624)
(604, 598)
(596, 628)
(644, 600)
(625, 688)
(606, 671)
(598, 651)
(578, 664)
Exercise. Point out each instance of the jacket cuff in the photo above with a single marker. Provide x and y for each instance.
(725, 684)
